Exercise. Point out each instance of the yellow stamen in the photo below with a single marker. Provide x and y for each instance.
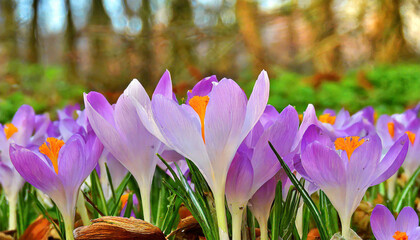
(52, 150)
(199, 104)
(327, 118)
(9, 130)
(411, 136)
(400, 236)
(375, 116)
(300, 117)
(348, 144)
(391, 129)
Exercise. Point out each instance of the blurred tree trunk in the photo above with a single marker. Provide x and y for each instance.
(326, 53)
(10, 27)
(292, 35)
(183, 48)
(145, 42)
(71, 51)
(387, 39)
(98, 22)
(33, 51)
(246, 15)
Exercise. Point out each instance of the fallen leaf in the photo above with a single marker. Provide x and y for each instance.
(118, 228)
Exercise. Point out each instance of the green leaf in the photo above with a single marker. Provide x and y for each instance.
(406, 190)
(108, 175)
(97, 193)
(195, 201)
(305, 195)
(44, 212)
(119, 192)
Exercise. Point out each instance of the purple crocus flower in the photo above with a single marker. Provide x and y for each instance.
(344, 169)
(390, 128)
(60, 170)
(123, 134)
(25, 129)
(254, 163)
(338, 125)
(208, 129)
(384, 226)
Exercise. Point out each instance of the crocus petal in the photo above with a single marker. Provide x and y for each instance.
(71, 162)
(323, 165)
(164, 87)
(98, 103)
(392, 160)
(341, 118)
(362, 164)
(182, 131)
(407, 220)
(95, 149)
(223, 122)
(309, 118)
(256, 103)
(202, 88)
(24, 121)
(138, 93)
(281, 134)
(312, 134)
(383, 132)
(414, 234)
(382, 223)
(239, 180)
(34, 170)
(100, 114)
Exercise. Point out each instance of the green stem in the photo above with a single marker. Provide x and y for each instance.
(219, 201)
(81, 208)
(237, 213)
(263, 229)
(68, 227)
(345, 228)
(145, 201)
(12, 212)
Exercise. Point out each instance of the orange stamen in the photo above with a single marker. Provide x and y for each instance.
(199, 104)
(348, 144)
(391, 129)
(400, 236)
(300, 117)
(327, 118)
(124, 199)
(411, 136)
(9, 130)
(52, 150)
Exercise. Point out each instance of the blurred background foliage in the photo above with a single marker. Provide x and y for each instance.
(333, 53)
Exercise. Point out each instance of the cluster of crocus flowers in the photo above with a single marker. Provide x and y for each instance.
(26, 129)
(225, 134)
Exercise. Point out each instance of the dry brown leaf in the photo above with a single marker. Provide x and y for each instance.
(5, 236)
(40, 229)
(314, 234)
(188, 229)
(119, 228)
